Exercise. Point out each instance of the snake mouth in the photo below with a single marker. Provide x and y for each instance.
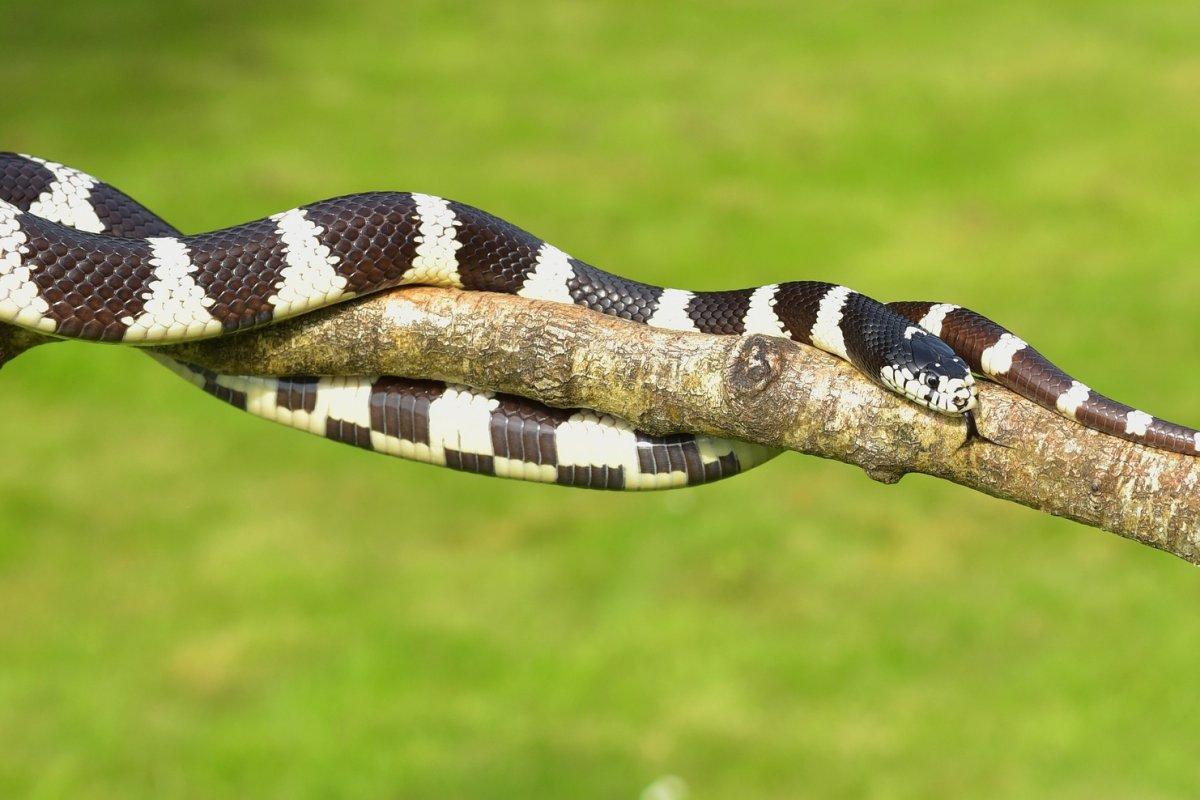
(941, 393)
(959, 400)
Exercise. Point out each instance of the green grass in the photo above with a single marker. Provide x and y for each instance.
(199, 604)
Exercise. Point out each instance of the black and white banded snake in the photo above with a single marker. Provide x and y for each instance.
(80, 259)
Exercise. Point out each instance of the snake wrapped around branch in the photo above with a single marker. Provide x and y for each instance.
(80, 259)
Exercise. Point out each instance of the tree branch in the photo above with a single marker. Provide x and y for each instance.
(757, 388)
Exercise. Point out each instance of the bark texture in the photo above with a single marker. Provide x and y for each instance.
(757, 388)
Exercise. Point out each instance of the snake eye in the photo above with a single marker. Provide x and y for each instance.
(931, 382)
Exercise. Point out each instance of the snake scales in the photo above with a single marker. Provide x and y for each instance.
(80, 259)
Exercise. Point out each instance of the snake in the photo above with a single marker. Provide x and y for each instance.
(80, 259)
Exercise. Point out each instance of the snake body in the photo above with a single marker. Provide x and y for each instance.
(80, 259)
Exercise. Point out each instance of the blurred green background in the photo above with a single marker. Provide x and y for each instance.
(196, 603)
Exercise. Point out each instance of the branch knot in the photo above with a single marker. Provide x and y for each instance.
(755, 363)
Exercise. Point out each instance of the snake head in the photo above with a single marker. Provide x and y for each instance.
(924, 369)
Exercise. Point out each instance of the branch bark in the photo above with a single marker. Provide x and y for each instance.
(757, 388)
